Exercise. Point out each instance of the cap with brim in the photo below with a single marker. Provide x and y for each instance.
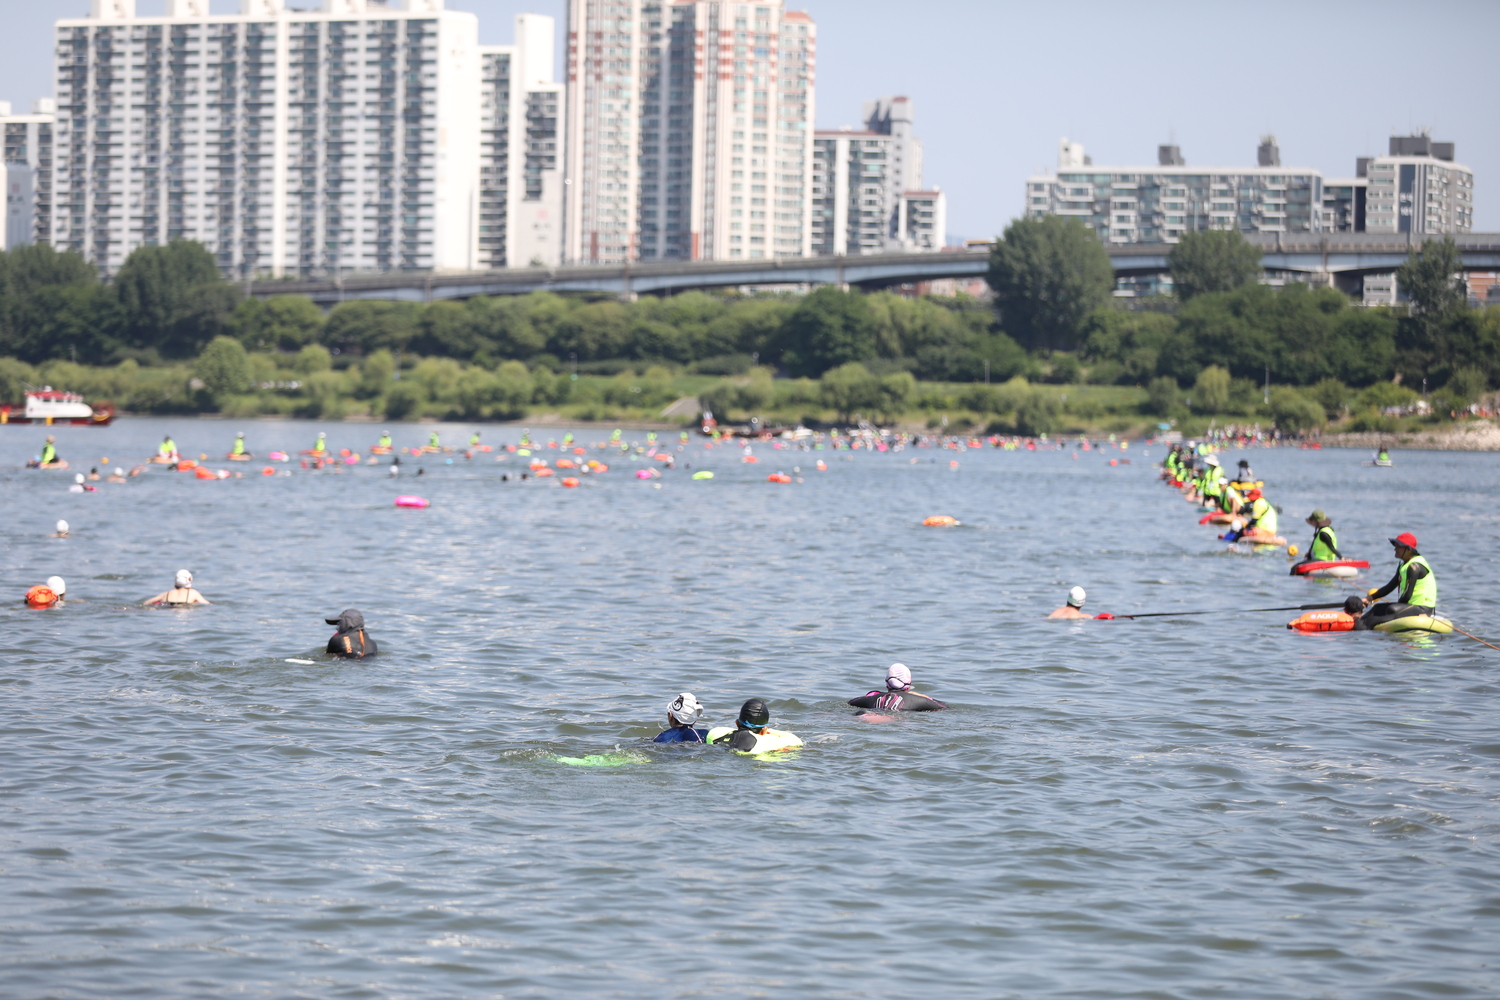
(1318, 519)
(1407, 539)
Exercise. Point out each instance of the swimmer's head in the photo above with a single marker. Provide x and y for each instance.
(62, 527)
(78, 478)
(898, 677)
(754, 715)
(684, 709)
(57, 586)
(183, 579)
(1076, 597)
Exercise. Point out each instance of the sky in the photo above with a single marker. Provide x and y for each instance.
(996, 84)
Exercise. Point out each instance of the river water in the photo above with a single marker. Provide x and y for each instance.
(1202, 806)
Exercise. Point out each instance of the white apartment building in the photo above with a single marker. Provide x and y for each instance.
(1418, 188)
(1149, 204)
(689, 130)
(520, 173)
(289, 142)
(867, 192)
(26, 169)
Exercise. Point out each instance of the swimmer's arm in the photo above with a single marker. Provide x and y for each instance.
(1395, 582)
(198, 598)
(159, 598)
(863, 701)
(743, 740)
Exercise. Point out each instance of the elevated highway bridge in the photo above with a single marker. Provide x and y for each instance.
(1342, 256)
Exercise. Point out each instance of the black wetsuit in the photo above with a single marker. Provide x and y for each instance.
(351, 641)
(1379, 614)
(897, 701)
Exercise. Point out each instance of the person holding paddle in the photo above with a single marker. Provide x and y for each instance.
(1415, 585)
(1325, 546)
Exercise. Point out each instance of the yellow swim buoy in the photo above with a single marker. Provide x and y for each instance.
(940, 521)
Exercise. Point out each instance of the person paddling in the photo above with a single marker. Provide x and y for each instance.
(167, 450)
(1415, 585)
(1074, 607)
(898, 695)
(682, 712)
(238, 450)
(49, 452)
(1325, 544)
(1261, 519)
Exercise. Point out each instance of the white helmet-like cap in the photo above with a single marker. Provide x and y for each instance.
(78, 478)
(1076, 597)
(57, 585)
(62, 527)
(183, 579)
(685, 709)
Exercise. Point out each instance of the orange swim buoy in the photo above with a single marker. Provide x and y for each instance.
(40, 596)
(186, 465)
(940, 521)
(570, 482)
(750, 458)
(543, 473)
(778, 477)
(1323, 621)
(204, 473)
(565, 463)
(268, 471)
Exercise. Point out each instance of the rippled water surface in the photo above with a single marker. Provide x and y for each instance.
(1202, 806)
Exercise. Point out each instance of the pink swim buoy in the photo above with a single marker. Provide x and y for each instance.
(643, 473)
(409, 501)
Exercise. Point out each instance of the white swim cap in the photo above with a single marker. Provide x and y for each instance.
(183, 579)
(57, 585)
(78, 477)
(62, 527)
(685, 709)
(897, 677)
(1076, 597)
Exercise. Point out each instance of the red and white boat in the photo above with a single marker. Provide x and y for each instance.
(48, 406)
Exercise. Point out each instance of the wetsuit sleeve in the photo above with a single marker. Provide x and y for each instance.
(864, 701)
(335, 646)
(1395, 581)
(370, 648)
(743, 740)
(1331, 547)
(1413, 574)
(920, 703)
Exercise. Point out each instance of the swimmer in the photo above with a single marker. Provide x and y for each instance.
(1074, 607)
(58, 586)
(752, 732)
(898, 695)
(350, 642)
(62, 530)
(77, 486)
(115, 476)
(94, 474)
(681, 714)
(182, 593)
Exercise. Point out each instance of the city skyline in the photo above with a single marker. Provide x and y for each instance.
(979, 149)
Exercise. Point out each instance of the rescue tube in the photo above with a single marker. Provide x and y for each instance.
(1417, 623)
(940, 521)
(410, 501)
(771, 741)
(601, 760)
(1323, 621)
(1342, 568)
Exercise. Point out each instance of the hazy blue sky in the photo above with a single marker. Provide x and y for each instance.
(997, 84)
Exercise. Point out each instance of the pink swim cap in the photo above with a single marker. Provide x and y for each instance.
(898, 677)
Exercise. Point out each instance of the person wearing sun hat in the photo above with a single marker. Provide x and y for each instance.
(1415, 586)
(351, 641)
(1325, 544)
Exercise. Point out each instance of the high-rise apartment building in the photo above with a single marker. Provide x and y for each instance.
(1417, 188)
(1147, 204)
(689, 130)
(26, 168)
(520, 198)
(867, 192)
(287, 141)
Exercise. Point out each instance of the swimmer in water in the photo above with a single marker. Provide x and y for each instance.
(94, 474)
(182, 593)
(350, 642)
(681, 714)
(1074, 607)
(898, 695)
(62, 530)
(115, 476)
(752, 731)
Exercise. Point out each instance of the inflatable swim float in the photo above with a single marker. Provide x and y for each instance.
(771, 741)
(1342, 621)
(410, 501)
(1342, 568)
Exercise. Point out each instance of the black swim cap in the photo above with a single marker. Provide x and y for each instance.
(754, 714)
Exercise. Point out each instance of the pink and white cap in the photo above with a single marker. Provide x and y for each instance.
(898, 677)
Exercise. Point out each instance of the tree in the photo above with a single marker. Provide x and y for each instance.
(1430, 280)
(1211, 390)
(1294, 412)
(1037, 414)
(1218, 260)
(849, 388)
(1048, 274)
(154, 286)
(278, 323)
(1162, 395)
(829, 328)
(366, 326)
(224, 367)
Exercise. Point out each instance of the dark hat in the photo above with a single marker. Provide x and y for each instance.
(1318, 519)
(348, 618)
(1407, 539)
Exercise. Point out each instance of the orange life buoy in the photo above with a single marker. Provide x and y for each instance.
(1323, 621)
(570, 482)
(940, 521)
(40, 596)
